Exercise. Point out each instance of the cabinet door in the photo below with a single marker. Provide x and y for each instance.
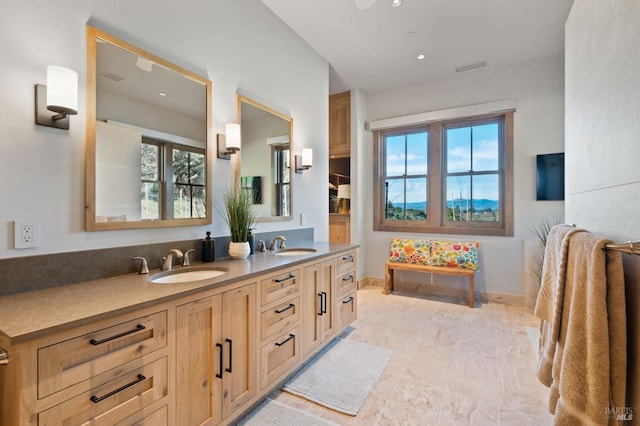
(199, 359)
(318, 316)
(311, 308)
(239, 340)
(340, 125)
(328, 317)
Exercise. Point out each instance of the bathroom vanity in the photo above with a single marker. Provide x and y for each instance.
(127, 351)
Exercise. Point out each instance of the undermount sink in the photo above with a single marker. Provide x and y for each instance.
(295, 251)
(187, 275)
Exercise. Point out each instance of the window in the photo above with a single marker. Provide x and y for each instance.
(175, 173)
(453, 176)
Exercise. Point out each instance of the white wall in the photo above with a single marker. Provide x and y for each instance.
(239, 45)
(537, 87)
(602, 139)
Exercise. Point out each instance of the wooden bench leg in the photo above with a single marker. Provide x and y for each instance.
(471, 294)
(388, 280)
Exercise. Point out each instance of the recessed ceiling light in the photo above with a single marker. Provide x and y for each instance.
(395, 3)
(411, 33)
(163, 94)
(421, 56)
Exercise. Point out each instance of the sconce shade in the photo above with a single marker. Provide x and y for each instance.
(232, 131)
(60, 95)
(62, 90)
(305, 161)
(307, 158)
(229, 143)
(344, 191)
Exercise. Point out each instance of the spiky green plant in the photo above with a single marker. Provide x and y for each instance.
(237, 213)
(542, 232)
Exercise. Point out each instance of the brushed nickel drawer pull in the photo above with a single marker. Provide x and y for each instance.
(281, 280)
(95, 342)
(349, 257)
(348, 300)
(291, 336)
(279, 311)
(96, 399)
(349, 278)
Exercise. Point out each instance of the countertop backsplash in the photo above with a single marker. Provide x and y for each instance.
(29, 273)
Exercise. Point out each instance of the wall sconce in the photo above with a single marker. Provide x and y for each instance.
(60, 95)
(304, 161)
(344, 192)
(229, 143)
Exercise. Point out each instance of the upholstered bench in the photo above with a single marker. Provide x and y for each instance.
(433, 256)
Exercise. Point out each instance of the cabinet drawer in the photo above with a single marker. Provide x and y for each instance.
(346, 284)
(274, 320)
(278, 286)
(157, 418)
(347, 310)
(66, 363)
(346, 263)
(279, 355)
(113, 401)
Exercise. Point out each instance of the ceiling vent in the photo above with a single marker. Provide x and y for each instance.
(111, 76)
(470, 67)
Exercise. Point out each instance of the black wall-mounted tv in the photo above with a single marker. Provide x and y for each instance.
(550, 176)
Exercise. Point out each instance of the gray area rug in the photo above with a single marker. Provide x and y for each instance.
(341, 376)
(274, 413)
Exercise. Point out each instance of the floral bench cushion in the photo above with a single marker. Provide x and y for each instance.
(452, 254)
(455, 254)
(410, 251)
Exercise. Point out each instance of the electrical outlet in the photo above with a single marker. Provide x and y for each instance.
(25, 234)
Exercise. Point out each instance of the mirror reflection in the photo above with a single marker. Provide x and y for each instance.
(265, 167)
(147, 138)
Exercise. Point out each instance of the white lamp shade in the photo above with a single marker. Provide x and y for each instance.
(307, 157)
(232, 131)
(62, 89)
(344, 191)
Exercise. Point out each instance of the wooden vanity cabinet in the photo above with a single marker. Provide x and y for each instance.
(109, 372)
(216, 356)
(202, 359)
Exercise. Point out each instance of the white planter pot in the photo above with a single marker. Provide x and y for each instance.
(239, 250)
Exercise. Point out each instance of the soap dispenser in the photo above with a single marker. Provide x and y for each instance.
(208, 249)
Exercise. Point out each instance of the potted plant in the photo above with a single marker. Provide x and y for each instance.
(240, 218)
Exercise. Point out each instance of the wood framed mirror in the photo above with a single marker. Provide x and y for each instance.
(266, 161)
(148, 139)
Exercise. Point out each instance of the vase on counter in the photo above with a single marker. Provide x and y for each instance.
(239, 250)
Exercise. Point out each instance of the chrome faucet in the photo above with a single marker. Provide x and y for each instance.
(144, 267)
(168, 260)
(274, 243)
(186, 260)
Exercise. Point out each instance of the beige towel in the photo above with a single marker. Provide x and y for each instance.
(550, 296)
(589, 368)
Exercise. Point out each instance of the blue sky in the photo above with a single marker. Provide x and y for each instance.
(459, 158)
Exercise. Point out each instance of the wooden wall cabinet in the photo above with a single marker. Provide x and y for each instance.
(216, 356)
(340, 125)
(339, 228)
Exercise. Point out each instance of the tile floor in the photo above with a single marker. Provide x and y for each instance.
(452, 365)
